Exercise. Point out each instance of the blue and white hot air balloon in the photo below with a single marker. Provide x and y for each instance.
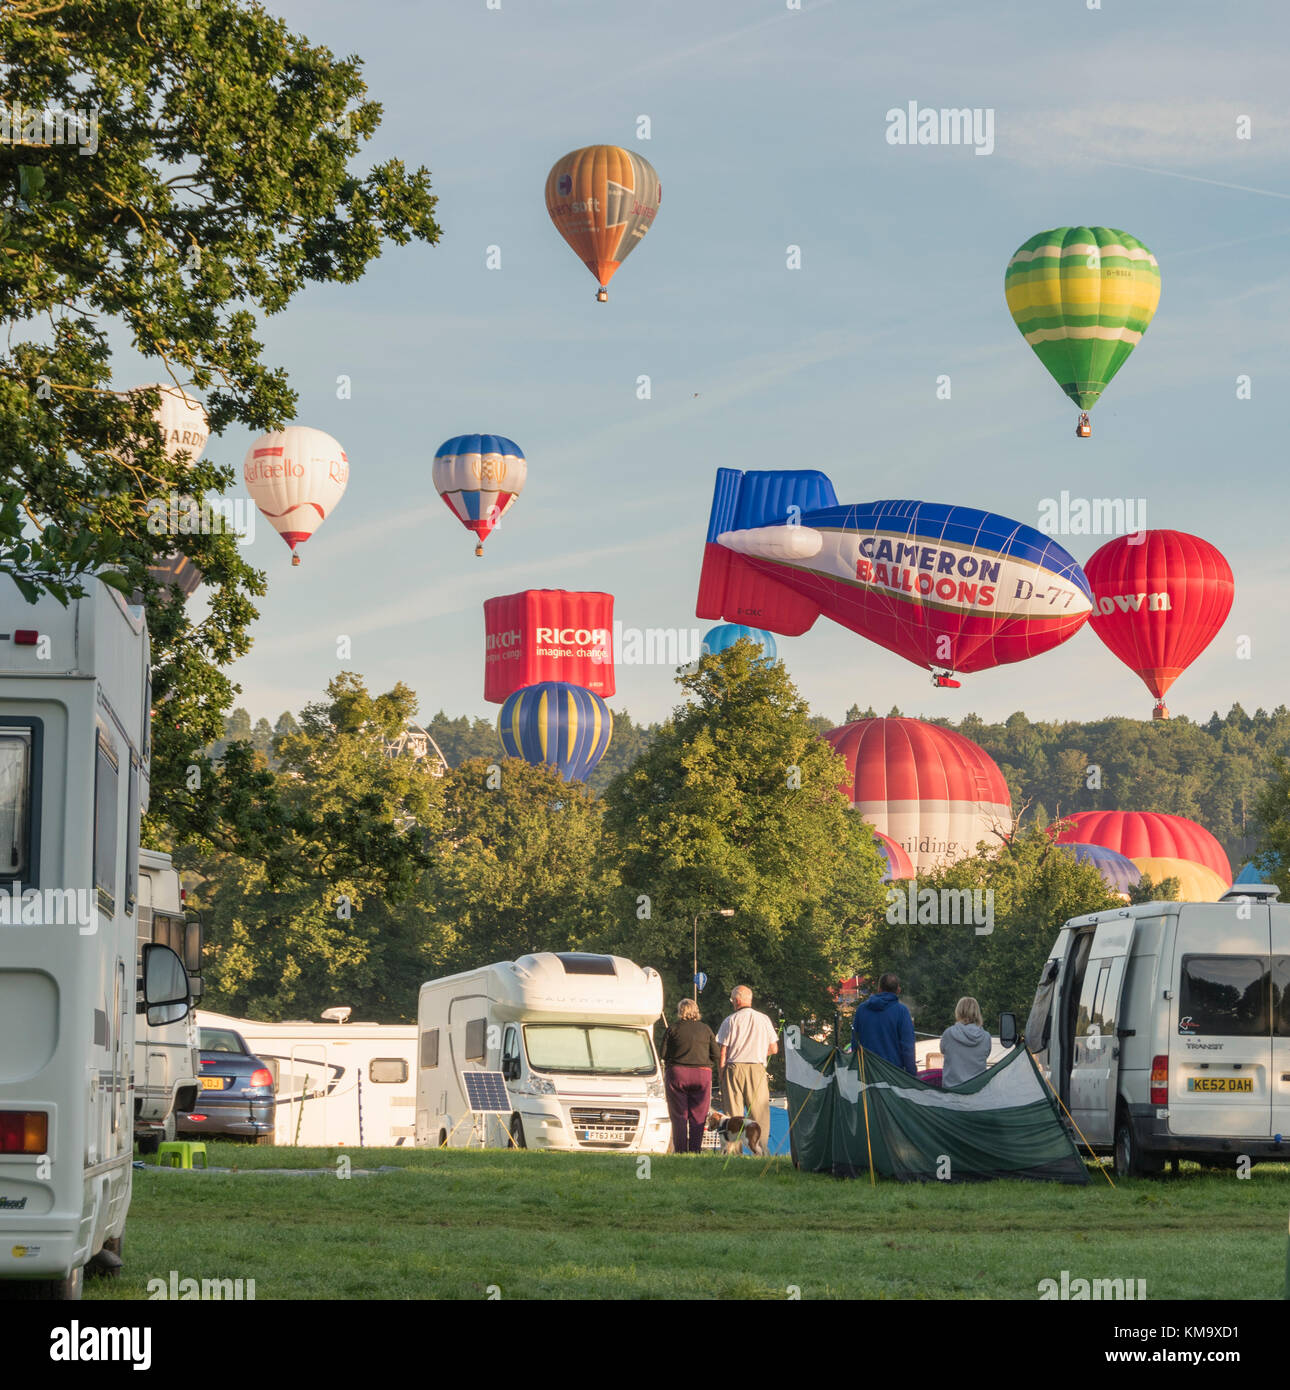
(565, 726)
(725, 635)
(479, 476)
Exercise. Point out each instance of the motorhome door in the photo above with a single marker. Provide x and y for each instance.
(1280, 928)
(1095, 1048)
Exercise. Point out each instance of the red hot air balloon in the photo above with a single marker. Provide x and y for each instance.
(928, 788)
(1140, 835)
(1158, 603)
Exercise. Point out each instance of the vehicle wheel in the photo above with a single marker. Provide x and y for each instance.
(107, 1263)
(443, 1138)
(517, 1131)
(149, 1143)
(169, 1128)
(1130, 1161)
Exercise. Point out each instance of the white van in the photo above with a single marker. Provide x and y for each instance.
(74, 750)
(572, 1034)
(1165, 1029)
(336, 1083)
(165, 1056)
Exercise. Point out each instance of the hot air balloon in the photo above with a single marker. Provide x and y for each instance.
(899, 865)
(602, 200)
(548, 635)
(1197, 883)
(932, 791)
(479, 476)
(950, 588)
(1118, 872)
(559, 724)
(717, 639)
(184, 431)
(1149, 836)
(296, 477)
(1159, 599)
(1082, 298)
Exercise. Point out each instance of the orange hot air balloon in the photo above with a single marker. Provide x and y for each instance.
(602, 200)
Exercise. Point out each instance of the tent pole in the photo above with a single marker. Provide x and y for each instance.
(864, 1096)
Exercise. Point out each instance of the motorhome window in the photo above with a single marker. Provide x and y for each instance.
(589, 1048)
(475, 1031)
(1040, 1021)
(578, 963)
(1281, 996)
(15, 802)
(105, 816)
(391, 1071)
(192, 952)
(220, 1040)
(132, 844)
(430, 1049)
(1099, 995)
(1224, 996)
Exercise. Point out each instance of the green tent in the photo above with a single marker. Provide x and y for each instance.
(1001, 1124)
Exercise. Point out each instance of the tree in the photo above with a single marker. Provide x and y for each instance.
(735, 804)
(219, 187)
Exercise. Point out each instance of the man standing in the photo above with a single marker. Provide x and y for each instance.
(747, 1038)
(883, 1026)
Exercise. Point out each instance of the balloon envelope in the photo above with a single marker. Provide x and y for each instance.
(603, 200)
(1197, 883)
(479, 476)
(548, 635)
(1082, 298)
(899, 865)
(932, 791)
(296, 477)
(1158, 601)
(1148, 834)
(562, 725)
(182, 421)
(1118, 872)
(717, 639)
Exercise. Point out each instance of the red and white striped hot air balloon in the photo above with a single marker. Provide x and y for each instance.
(296, 477)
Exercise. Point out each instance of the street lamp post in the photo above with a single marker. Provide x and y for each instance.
(711, 912)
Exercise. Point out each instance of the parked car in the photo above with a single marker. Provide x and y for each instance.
(236, 1098)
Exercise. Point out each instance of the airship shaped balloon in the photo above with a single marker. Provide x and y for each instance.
(1082, 298)
(184, 431)
(1161, 845)
(950, 588)
(296, 477)
(603, 200)
(717, 639)
(932, 791)
(479, 476)
(1159, 599)
(562, 725)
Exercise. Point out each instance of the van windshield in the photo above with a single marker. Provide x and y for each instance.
(569, 1047)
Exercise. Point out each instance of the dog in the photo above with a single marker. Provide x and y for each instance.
(735, 1131)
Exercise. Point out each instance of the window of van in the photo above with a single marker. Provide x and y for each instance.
(430, 1048)
(589, 1048)
(15, 802)
(105, 815)
(132, 843)
(388, 1070)
(475, 1033)
(1281, 996)
(1224, 996)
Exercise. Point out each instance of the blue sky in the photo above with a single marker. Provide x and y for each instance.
(768, 129)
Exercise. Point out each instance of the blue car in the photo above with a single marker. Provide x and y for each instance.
(236, 1099)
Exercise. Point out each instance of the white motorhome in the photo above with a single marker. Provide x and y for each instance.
(1165, 1029)
(337, 1083)
(74, 750)
(572, 1034)
(165, 1056)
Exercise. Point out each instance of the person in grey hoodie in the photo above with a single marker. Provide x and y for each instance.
(965, 1045)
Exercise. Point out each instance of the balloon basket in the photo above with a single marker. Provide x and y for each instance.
(295, 559)
(1083, 427)
(1161, 711)
(602, 295)
(479, 549)
(945, 681)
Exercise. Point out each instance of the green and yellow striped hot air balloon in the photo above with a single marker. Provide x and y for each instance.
(1083, 297)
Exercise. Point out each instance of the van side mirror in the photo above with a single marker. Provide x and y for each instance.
(511, 1068)
(164, 987)
(1008, 1030)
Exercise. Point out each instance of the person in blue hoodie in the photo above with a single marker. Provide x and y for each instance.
(883, 1026)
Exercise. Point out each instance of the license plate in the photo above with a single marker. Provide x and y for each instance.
(1220, 1083)
(212, 1083)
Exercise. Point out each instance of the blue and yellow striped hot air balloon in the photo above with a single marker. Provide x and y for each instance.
(562, 725)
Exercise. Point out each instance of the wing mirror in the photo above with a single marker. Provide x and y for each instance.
(164, 987)
(1008, 1035)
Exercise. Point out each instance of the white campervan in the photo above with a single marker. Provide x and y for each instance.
(336, 1082)
(165, 1056)
(1165, 1029)
(74, 750)
(572, 1034)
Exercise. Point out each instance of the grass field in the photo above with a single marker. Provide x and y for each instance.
(455, 1224)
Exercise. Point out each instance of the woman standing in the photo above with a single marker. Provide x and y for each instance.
(690, 1052)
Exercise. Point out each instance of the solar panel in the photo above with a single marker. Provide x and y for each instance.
(486, 1091)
